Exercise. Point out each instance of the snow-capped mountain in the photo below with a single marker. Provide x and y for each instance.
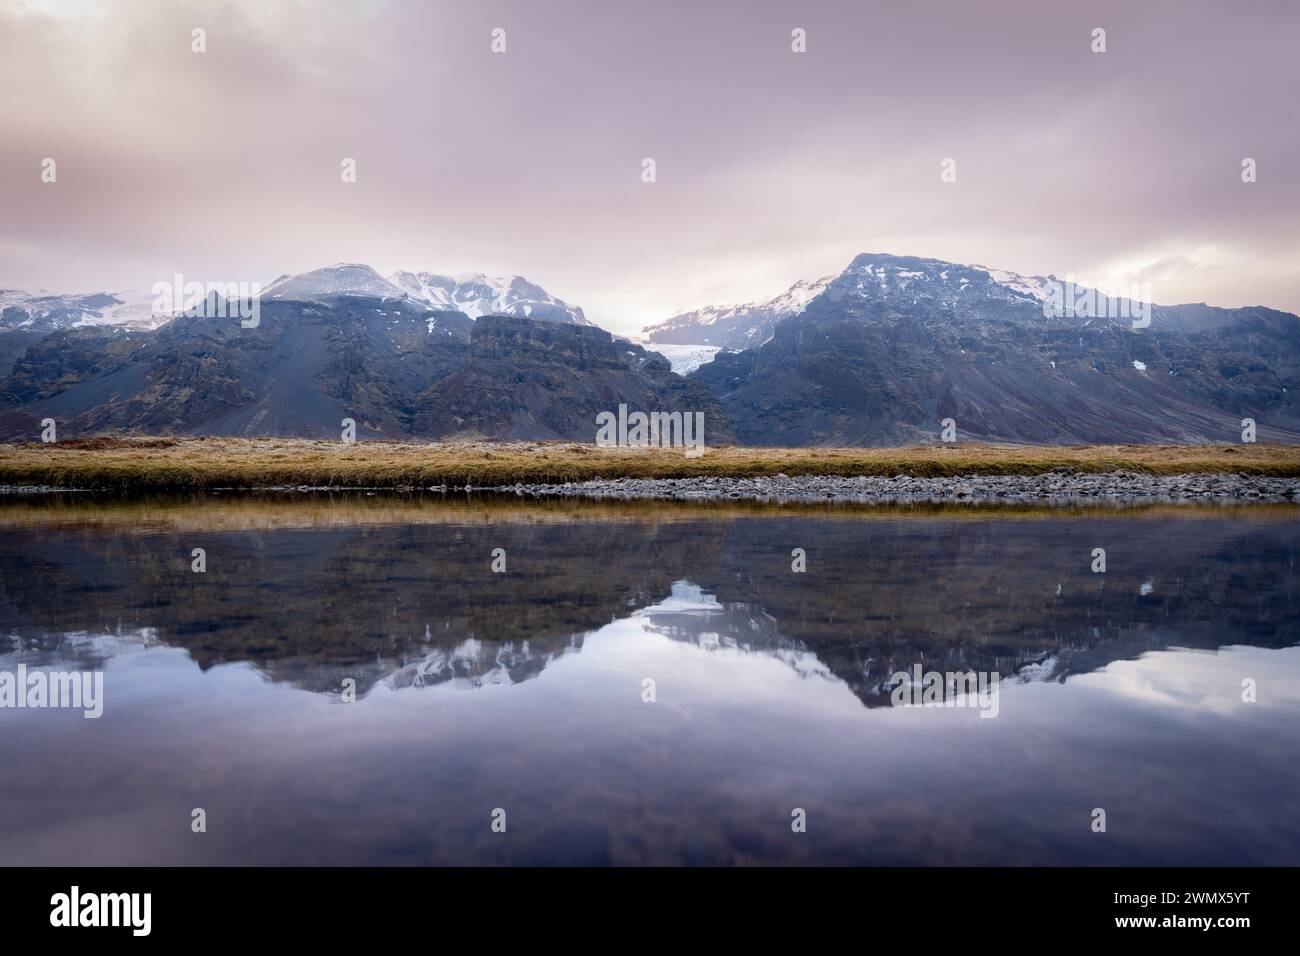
(477, 294)
(474, 294)
(902, 279)
(978, 293)
(874, 277)
(896, 344)
(881, 354)
(735, 326)
(342, 278)
(45, 312)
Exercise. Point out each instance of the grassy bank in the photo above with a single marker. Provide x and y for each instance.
(196, 463)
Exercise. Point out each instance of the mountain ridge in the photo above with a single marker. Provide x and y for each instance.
(747, 325)
(398, 368)
(895, 345)
(881, 353)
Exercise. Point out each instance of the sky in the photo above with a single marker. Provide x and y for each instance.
(770, 165)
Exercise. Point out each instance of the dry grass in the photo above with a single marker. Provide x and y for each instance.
(138, 464)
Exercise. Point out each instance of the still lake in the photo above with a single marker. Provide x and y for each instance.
(1164, 691)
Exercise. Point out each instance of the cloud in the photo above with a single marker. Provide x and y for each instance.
(772, 166)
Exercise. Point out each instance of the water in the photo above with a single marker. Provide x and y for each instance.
(524, 691)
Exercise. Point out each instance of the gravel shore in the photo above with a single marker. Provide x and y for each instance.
(1062, 485)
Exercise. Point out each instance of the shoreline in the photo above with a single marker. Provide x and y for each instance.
(1062, 486)
(1066, 488)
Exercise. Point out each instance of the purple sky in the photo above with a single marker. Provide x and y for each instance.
(772, 166)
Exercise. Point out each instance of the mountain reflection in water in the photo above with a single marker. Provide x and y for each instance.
(1120, 690)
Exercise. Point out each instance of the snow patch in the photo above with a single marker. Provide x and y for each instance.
(477, 295)
(685, 358)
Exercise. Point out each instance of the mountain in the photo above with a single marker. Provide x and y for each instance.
(734, 326)
(27, 317)
(527, 380)
(476, 294)
(44, 312)
(343, 278)
(473, 294)
(895, 344)
(307, 366)
(403, 357)
(880, 354)
(395, 366)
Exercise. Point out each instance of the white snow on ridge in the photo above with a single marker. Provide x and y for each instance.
(474, 294)
(1032, 286)
(797, 297)
(477, 295)
(44, 310)
(870, 275)
(751, 321)
(134, 309)
(343, 278)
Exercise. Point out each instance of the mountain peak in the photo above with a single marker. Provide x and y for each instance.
(872, 278)
(875, 275)
(477, 294)
(735, 326)
(341, 278)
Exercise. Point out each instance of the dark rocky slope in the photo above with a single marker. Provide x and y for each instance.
(303, 369)
(530, 380)
(396, 367)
